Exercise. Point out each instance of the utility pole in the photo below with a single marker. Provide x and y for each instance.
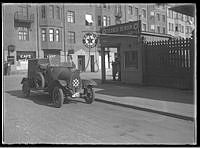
(37, 31)
(64, 32)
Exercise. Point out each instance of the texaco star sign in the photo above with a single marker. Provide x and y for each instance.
(90, 40)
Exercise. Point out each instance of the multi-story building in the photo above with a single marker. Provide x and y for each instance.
(19, 33)
(179, 25)
(42, 30)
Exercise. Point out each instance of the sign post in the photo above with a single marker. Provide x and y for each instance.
(90, 41)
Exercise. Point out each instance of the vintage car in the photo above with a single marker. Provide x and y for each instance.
(60, 80)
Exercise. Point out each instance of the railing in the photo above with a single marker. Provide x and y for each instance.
(20, 16)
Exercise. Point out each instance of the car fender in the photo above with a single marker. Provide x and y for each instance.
(86, 83)
(62, 83)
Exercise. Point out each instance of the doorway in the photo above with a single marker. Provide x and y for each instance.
(81, 63)
(112, 66)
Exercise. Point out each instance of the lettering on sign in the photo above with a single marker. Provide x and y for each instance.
(126, 28)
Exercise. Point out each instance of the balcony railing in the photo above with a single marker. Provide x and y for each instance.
(22, 17)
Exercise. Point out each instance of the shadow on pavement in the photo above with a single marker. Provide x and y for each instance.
(155, 93)
(40, 98)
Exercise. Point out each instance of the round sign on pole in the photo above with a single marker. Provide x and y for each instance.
(90, 40)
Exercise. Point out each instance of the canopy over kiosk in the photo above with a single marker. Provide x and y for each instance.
(126, 38)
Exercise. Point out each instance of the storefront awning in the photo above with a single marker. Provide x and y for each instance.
(187, 9)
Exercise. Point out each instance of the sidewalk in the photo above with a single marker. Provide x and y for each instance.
(166, 101)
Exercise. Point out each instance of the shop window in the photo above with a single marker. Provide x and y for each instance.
(71, 17)
(43, 34)
(25, 55)
(51, 35)
(23, 33)
(131, 59)
(88, 20)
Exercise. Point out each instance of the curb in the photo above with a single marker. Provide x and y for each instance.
(146, 109)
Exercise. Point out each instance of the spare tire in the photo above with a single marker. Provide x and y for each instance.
(39, 80)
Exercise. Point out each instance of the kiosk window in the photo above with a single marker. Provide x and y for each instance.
(131, 59)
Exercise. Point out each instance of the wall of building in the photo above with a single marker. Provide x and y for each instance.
(10, 32)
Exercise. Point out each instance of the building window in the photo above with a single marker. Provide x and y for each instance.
(104, 21)
(44, 34)
(70, 17)
(158, 29)
(43, 10)
(169, 27)
(170, 13)
(130, 10)
(58, 12)
(182, 29)
(144, 27)
(98, 5)
(71, 37)
(57, 35)
(108, 6)
(158, 16)
(172, 27)
(163, 18)
(152, 27)
(99, 20)
(136, 12)
(23, 33)
(88, 20)
(131, 59)
(104, 5)
(23, 10)
(51, 35)
(179, 27)
(118, 9)
(108, 21)
(143, 13)
(176, 27)
(163, 30)
(51, 11)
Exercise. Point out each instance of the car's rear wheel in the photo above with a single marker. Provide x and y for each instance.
(90, 95)
(26, 89)
(58, 96)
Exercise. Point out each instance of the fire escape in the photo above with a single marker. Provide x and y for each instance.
(23, 18)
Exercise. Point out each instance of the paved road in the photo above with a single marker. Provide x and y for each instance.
(35, 120)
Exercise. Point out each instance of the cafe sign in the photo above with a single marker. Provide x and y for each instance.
(131, 28)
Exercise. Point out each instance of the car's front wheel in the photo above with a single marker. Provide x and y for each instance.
(90, 95)
(58, 96)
